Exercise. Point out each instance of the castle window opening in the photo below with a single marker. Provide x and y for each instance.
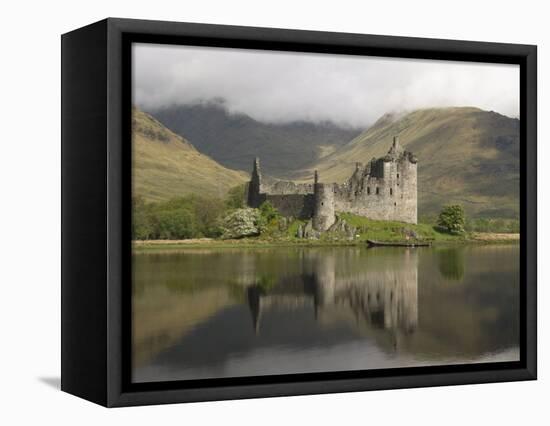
(377, 191)
(368, 190)
(391, 191)
(398, 176)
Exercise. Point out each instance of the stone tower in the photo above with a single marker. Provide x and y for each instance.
(385, 188)
(254, 186)
(323, 210)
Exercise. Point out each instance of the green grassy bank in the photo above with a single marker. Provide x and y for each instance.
(275, 235)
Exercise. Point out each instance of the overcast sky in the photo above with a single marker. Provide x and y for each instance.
(282, 86)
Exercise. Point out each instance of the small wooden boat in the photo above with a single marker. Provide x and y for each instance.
(373, 243)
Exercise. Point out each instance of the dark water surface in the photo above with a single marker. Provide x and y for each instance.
(203, 313)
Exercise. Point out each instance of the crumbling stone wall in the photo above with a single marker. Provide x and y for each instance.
(383, 189)
(296, 205)
(390, 194)
(289, 198)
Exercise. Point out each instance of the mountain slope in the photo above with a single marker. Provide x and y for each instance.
(235, 139)
(165, 165)
(465, 155)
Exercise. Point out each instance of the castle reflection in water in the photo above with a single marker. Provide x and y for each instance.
(202, 313)
(383, 295)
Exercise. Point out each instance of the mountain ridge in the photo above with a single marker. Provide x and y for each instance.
(465, 155)
(235, 139)
(166, 165)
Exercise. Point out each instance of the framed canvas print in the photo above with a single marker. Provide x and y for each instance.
(251, 212)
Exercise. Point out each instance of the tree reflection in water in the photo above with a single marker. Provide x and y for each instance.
(451, 263)
(201, 313)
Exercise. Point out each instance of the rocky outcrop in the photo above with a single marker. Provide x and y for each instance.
(342, 229)
(339, 230)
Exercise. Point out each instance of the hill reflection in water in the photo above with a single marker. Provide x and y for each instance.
(202, 313)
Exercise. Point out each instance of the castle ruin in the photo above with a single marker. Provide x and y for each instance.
(383, 189)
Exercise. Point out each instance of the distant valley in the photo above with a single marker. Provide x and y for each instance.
(465, 155)
(234, 140)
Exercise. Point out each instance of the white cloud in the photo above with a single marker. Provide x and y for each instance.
(285, 86)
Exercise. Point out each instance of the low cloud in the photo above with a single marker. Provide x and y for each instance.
(283, 86)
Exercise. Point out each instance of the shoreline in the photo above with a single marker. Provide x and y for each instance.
(476, 238)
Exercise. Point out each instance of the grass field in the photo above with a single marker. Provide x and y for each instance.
(166, 165)
(367, 229)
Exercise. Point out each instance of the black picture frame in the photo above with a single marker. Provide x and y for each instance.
(96, 243)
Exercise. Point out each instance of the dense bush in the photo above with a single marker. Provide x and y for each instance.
(141, 226)
(268, 211)
(493, 225)
(246, 222)
(241, 223)
(236, 197)
(194, 216)
(452, 219)
(482, 224)
(186, 217)
(175, 224)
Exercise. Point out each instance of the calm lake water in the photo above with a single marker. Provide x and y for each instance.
(203, 313)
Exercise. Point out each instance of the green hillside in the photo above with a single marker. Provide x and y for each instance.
(165, 165)
(465, 155)
(235, 139)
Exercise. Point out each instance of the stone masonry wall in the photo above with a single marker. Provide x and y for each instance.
(296, 205)
(384, 189)
(392, 196)
(323, 214)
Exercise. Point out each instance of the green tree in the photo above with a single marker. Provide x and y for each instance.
(268, 211)
(207, 211)
(191, 216)
(142, 226)
(452, 219)
(236, 197)
(176, 224)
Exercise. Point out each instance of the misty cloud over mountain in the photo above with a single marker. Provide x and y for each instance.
(285, 87)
